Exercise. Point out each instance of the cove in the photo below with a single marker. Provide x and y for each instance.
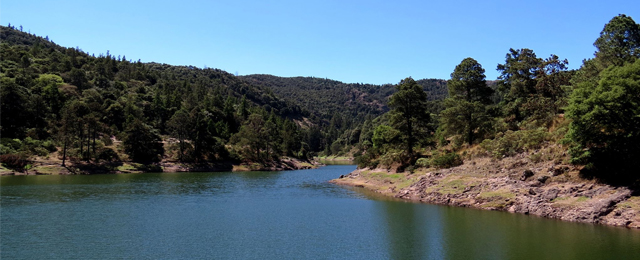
(270, 215)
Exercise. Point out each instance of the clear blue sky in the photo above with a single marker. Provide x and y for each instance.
(352, 41)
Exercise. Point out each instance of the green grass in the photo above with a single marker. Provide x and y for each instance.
(497, 194)
(450, 186)
(51, 170)
(631, 203)
(569, 201)
(495, 204)
(127, 168)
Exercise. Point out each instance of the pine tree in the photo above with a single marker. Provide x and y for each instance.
(409, 112)
(466, 106)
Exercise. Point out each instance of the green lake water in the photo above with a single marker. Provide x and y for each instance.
(270, 215)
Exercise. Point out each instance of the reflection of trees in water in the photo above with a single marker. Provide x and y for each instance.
(413, 230)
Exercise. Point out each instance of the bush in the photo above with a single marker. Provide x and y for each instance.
(513, 142)
(14, 161)
(11, 144)
(365, 160)
(108, 155)
(49, 146)
(6, 149)
(40, 151)
(447, 160)
(422, 162)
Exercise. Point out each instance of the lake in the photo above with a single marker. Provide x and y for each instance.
(270, 215)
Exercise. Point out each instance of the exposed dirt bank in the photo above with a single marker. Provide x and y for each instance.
(515, 184)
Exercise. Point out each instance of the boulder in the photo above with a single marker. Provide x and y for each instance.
(526, 174)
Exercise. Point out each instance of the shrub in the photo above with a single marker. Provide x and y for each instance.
(447, 160)
(6, 149)
(14, 161)
(422, 162)
(513, 142)
(12, 144)
(108, 155)
(40, 151)
(49, 146)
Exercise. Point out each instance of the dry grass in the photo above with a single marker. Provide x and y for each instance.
(631, 203)
(497, 194)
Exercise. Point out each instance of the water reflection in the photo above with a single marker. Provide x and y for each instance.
(419, 231)
(271, 215)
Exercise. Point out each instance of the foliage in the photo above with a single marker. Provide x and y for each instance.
(49, 91)
(384, 136)
(422, 162)
(619, 41)
(14, 161)
(446, 160)
(142, 144)
(409, 112)
(466, 107)
(108, 155)
(605, 131)
(532, 87)
(513, 142)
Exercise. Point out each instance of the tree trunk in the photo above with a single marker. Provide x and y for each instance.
(64, 152)
(470, 131)
(94, 141)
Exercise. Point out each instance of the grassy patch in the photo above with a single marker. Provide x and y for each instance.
(450, 186)
(126, 167)
(497, 194)
(406, 183)
(50, 170)
(499, 204)
(569, 201)
(631, 203)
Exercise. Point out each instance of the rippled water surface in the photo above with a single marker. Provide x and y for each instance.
(270, 215)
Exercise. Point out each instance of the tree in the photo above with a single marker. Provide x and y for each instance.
(79, 78)
(180, 125)
(141, 143)
(14, 107)
(65, 130)
(48, 84)
(409, 112)
(605, 131)
(252, 137)
(619, 41)
(466, 105)
(517, 81)
(531, 86)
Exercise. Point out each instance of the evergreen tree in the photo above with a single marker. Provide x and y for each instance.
(605, 131)
(409, 112)
(619, 41)
(141, 143)
(466, 107)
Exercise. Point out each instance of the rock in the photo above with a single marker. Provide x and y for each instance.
(550, 194)
(526, 174)
(359, 186)
(532, 192)
(341, 176)
(543, 179)
(559, 169)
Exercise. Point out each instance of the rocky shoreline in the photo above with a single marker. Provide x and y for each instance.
(55, 168)
(515, 184)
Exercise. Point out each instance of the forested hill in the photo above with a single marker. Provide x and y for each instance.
(58, 96)
(48, 57)
(327, 97)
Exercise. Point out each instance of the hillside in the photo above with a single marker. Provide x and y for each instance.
(326, 97)
(65, 102)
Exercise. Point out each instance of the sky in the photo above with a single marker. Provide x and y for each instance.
(372, 41)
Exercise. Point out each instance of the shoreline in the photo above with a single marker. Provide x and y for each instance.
(86, 168)
(515, 185)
